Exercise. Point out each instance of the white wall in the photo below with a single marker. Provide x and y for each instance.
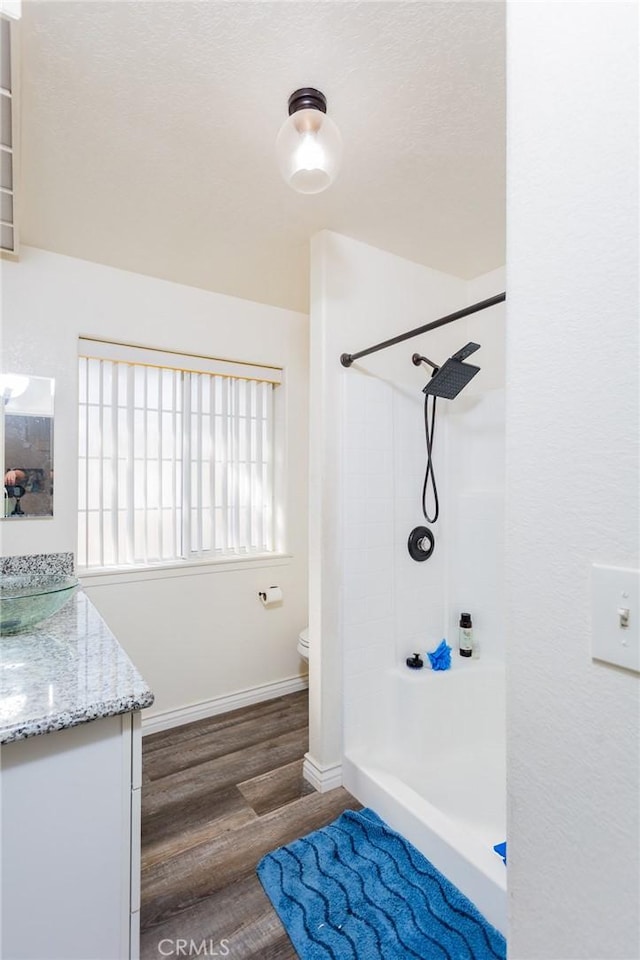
(371, 605)
(195, 637)
(474, 478)
(572, 475)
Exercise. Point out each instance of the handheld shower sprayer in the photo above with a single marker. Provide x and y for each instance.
(446, 381)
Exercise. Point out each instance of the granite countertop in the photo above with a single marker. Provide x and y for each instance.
(68, 670)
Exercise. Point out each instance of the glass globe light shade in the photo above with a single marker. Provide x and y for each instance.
(309, 150)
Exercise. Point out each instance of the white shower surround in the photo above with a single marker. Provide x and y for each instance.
(426, 749)
(372, 605)
(442, 784)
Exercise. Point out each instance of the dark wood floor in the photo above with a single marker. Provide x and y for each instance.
(216, 796)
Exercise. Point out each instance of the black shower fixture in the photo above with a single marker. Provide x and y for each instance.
(448, 380)
(421, 543)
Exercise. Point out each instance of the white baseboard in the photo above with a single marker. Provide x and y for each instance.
(166, 719)
(322, 778)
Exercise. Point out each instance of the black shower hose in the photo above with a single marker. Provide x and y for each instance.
(429, 430)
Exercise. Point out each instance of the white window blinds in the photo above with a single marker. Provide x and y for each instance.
(175, 462)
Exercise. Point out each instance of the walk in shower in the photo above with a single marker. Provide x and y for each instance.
(426, 749)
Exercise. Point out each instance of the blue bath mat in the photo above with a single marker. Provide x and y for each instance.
(356, 890)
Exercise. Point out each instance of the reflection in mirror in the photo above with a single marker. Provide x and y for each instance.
(27, 445)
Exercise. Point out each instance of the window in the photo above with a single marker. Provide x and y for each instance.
(176, 457)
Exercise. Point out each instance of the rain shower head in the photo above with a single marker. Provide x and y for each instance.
(448, 380)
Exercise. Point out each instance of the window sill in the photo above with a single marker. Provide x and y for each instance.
(179, 568)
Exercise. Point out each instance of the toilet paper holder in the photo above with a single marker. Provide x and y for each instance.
(271, 596)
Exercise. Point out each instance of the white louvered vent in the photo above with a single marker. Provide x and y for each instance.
(8, 138)
(176, 457)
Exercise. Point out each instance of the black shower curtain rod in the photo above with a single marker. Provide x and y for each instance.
(347, 359)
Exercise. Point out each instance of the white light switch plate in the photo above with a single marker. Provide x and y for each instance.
(615, 599)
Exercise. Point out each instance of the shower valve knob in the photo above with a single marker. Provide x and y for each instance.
(421, 543)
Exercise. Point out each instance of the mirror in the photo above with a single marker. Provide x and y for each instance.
(27, 445)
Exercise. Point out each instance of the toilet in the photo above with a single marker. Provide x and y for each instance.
(303, 643)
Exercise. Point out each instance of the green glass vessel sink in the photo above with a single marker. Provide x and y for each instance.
(26, 601)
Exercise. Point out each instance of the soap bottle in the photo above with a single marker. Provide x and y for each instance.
(465, 635)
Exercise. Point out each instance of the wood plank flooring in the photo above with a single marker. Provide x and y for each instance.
(216, 796)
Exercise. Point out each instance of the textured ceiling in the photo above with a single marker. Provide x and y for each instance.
(148, 134)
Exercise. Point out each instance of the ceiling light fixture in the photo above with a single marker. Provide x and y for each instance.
(309, 145)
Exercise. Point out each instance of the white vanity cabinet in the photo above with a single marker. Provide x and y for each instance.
(70, 784)
(70, 834)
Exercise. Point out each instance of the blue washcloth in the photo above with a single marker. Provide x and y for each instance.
(501, 850)
(440, 659)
